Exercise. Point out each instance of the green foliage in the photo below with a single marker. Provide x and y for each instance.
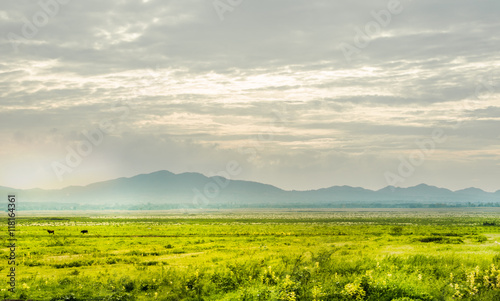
(481, 238)
(442, 240)
(397, 230)
(267, 256)
(288, 289)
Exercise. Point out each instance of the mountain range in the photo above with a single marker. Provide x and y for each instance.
(166, 190)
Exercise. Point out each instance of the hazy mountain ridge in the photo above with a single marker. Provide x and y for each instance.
(194, 189)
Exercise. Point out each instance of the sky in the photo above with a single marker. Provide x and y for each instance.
(298, 94)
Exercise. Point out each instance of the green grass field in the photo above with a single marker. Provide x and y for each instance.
(257, 255)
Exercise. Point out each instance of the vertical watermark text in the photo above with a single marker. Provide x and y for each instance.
(11, 226)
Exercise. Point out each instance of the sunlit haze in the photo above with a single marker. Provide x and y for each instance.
(280, 87)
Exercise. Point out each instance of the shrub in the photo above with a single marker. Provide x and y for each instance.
(398, 230)
(128, 284)
(288, 289)
(481, 238)
(354, 291)
(226, 282)
(269, 276)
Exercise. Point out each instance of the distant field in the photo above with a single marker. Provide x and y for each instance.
(384, 254)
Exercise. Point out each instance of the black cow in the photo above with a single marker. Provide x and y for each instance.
(50, 231)
(84, 231)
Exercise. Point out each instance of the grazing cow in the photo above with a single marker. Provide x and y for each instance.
(50, 231)
(84, 231)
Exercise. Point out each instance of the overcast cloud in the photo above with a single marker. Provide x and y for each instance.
(269, 86)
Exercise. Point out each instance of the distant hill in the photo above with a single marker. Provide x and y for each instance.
(164, 190)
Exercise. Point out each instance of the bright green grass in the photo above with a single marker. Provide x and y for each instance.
(258, 255)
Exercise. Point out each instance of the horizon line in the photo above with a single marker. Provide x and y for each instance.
(188, 172)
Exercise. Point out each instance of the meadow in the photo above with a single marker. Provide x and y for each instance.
(387, 254)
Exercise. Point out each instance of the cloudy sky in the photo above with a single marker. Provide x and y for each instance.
(301, 94)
